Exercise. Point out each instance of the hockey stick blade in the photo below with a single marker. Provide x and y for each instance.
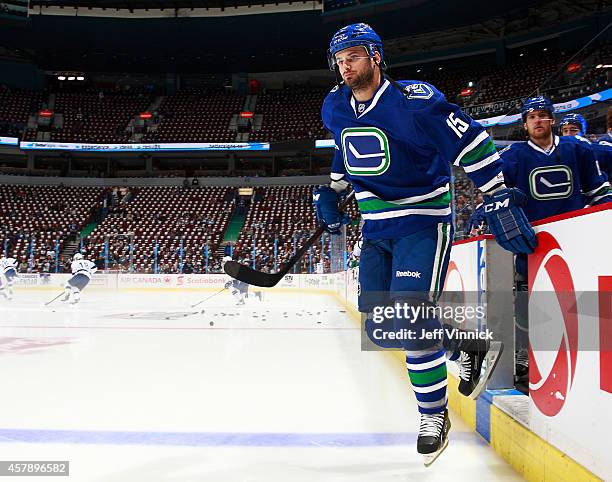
(242, 272)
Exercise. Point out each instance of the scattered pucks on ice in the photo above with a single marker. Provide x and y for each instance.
(319, 322)
(342, 311)
(212, 323)
(167, 317)
(202, 312)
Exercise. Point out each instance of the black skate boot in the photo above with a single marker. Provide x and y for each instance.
(474, 354)
(433, 435)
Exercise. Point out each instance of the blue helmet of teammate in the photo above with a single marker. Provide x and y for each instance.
(355, 35)
(576, 120)
(537, 103)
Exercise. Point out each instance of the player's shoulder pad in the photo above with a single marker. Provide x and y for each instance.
(575, 140)
(335, 94)
(419, 94)
(331, 100)
(606, 144)
(507, 149)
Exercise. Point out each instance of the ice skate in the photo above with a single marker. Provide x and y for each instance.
(472, 377)
(433, 435)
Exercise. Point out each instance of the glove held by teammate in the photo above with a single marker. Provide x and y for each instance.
(507, 221)
(326, 206)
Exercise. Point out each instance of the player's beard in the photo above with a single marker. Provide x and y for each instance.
(363, 80)
(542, 134)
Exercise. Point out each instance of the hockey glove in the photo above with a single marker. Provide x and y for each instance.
(507, 221)
(326, 206)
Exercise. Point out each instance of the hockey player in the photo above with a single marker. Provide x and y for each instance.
(239, 289)
(82, 271)
(477, 224)
(573, 125)
(394, 143)
(576, 125)
(8, 273)
(603, 148)
(559, 174)
(607, 138)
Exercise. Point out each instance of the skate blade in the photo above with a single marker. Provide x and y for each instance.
(496, 348)
(429, 459)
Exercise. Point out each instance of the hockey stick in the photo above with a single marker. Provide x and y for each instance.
(49, 302)
(206, 299)
(242, 272)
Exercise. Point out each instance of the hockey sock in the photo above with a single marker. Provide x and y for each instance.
(427, 372)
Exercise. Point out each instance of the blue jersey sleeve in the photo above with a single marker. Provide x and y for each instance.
(594, 183)
(458, 138)
(338, 171)
(603, 153)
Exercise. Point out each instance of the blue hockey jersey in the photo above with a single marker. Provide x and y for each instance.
(396, 150)
(603, 153)
(564, 179)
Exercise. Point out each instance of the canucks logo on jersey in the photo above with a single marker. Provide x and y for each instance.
(563, 179)
(366, 151)
(551, 182)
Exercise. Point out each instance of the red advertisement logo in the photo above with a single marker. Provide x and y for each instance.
(549, 394)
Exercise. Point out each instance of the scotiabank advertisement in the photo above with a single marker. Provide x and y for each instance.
(570, 338)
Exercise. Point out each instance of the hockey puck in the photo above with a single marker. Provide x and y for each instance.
(212, 323)
(167, 318)
(319, 322)
(202, 312)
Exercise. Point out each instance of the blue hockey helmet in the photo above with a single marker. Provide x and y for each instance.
(354, 35)
(577, 120)
(537, 103)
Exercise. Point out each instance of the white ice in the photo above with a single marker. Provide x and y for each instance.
(273, 391)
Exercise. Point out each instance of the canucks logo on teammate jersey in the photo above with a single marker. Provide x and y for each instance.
(366, 151)
(551, 182)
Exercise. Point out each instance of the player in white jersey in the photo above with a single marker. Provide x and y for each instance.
(239, 289)
(82, 271)
(8, 273)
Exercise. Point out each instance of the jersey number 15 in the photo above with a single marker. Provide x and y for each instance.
(457, 125)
